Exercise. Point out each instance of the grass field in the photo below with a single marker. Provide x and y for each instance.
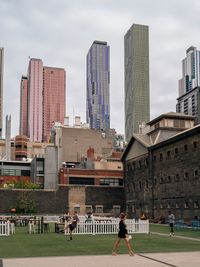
(22, 244)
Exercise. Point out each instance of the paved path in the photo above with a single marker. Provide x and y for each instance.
(178, 236)
(186, 259)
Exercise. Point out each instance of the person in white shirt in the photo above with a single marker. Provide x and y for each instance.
(171, 223)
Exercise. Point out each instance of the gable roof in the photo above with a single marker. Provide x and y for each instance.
(143, 139)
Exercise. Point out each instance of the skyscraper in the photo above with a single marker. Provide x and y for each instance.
(98, 81)
(188, 101)
(136, 67)
(42, 100)
(23, 128)
(1, 88)
(35, 99)
(53, 98)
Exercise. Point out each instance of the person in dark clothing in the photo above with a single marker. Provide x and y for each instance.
(73, 223)
(122, 234)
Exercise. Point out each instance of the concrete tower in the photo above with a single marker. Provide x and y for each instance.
(136, 66)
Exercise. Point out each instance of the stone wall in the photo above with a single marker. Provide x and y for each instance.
(171, 181)
(47, 201)
(66, 198)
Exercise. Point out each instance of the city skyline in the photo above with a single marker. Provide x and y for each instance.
(30, 29)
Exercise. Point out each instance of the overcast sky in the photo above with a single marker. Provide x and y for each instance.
(60, 32)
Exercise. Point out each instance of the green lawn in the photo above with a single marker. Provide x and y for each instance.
(22, 244)
(188, 232)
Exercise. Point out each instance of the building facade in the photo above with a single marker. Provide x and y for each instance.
(188, 101)
(54, 99)
(98, 82)
(35, 99)
(190, 71)
(1, 88)
(42, 100)
(23, 128)
(162, 169)
(136, 68)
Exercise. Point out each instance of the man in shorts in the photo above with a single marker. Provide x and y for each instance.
(73, 223)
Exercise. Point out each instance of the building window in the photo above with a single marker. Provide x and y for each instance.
(77, 208)
(161, 180)
(186, 206)
(81, 181)
(139, 164)
(177, 206)
(169, 154)
(196, 205)
(99, 208)
(161, 156)
(177, 177)
(161, 206)
(133, 166)
(154, 158)
(133, 208)
(88, 209)
(146, 162)
(116, 209)
(111, 182)
(168, 206)
(140, 185)
(169, 179)
(186, 147)
(196, 174)
(176, 151)
(195, 144)
(186, 175)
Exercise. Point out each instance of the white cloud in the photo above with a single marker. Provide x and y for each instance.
(60, 32)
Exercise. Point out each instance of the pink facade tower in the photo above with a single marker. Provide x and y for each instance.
(35, 99)
(42, 100)
(54, 90)
(23, 128)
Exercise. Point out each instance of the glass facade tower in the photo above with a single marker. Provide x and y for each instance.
(98, 81)
(136, 67)
(188, 101)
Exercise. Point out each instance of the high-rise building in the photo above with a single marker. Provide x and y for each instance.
(98, 81)
(136, 67)
(53, 99)
(42, 100)
(1, 88)
(188, 101)
(23, 128)
(35, 99)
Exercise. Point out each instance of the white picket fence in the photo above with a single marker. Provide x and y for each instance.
(110, 227)
(6, 228)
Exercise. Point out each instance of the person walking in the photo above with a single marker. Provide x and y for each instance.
(73, 224)
(171, 218)
(122, 234)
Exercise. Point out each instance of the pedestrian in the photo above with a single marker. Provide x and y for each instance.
(171, 223)
(73, 223)
(122, 234)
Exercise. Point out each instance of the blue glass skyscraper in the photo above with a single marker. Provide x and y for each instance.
(98, 81)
